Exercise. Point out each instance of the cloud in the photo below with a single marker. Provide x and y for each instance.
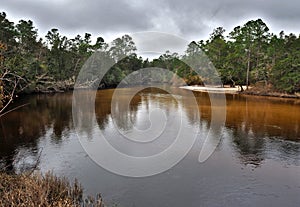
(193, 19)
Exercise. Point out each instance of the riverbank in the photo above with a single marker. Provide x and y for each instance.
(42, 190)
(256, 91)
(65, 86)
(231, 90)
(50, 86)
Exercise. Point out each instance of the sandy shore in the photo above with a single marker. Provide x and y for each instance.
(236, 90)
(213, 89)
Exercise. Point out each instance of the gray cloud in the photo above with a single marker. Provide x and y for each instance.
(193, 19)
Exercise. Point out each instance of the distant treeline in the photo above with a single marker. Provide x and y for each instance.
(250, 54)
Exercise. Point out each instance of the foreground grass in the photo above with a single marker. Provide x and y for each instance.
(31, 190)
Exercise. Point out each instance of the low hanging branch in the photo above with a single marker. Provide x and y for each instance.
(13, 80)
(10, 82)
(11, 95)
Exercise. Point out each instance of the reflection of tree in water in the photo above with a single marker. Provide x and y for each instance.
(125, 111)
(250, 146)
(20, 130)
(266, 117)
(61, 115)
(159, 98)
(103, 107)
(255, 120)
(126, 117)
(204, 106)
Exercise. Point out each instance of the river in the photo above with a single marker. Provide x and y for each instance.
(256, 163)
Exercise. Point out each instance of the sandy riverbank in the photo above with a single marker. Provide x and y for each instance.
(231, 90)
(237, 90)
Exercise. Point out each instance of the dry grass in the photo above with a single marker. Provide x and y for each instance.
(42, 190)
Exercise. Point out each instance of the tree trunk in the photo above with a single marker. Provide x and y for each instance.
(233, 83)
(242, 89)
(248, 69)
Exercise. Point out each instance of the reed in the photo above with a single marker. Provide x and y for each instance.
(48, 190)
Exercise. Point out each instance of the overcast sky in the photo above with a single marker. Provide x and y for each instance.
(191, 19)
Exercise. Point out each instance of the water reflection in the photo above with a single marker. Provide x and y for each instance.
(148, 125)
(21, 130)
(265, 116)
(253, 122)
(259, 151)
(258, 128)
(256, 120)
(127, 116)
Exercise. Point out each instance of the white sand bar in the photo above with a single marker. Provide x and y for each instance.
(213, 89)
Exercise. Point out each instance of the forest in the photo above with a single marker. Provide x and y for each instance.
(249, 55)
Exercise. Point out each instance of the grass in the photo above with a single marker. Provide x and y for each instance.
(31, 190)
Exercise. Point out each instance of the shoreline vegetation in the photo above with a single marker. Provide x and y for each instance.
(35, 189)
(252, 90)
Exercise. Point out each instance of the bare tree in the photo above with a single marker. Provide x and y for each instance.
(8, 78)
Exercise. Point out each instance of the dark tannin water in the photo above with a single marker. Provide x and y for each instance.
(257, 162)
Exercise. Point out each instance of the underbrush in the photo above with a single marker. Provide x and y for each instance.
(31, 190)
